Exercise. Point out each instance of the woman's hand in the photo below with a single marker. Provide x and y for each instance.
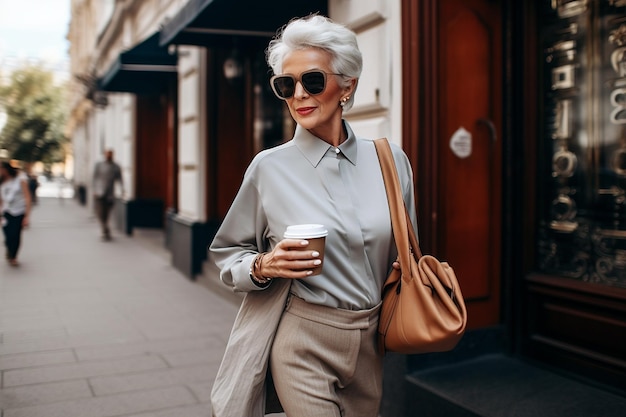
(25, 221)
(396, 265)
(290, 259)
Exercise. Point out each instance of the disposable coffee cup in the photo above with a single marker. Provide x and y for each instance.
(315, 234)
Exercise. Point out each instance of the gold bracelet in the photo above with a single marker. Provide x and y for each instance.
(256, 269)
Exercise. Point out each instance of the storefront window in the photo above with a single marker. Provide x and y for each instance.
(582, 180)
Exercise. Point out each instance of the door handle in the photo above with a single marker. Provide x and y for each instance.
(493, 133)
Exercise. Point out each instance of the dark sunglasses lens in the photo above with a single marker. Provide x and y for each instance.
(284, 86)
(314, 82)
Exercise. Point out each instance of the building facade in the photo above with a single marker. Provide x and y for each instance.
(511, 113)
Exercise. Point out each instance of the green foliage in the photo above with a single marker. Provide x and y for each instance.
(36, 114)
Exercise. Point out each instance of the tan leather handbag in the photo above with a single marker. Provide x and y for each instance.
(423, 309)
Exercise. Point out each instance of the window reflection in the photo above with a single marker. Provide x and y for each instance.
(582, 230)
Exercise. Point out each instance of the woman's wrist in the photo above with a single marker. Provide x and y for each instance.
(255, 271)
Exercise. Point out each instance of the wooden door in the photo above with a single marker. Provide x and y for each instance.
(151, 151)
(470, 123)
(452, 75)
(171, 199)
(229, 130)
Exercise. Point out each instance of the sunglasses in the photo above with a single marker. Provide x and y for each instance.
(313, 81)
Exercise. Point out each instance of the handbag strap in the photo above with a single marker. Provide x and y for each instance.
(403, 231)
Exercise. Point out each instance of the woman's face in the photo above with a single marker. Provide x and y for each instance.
(320, 113)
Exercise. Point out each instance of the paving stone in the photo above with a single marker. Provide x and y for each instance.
(18, 311)
(43, 393)
(143, 348)
(22, 324)
(194, 357)
(73, 335)
(108, 327)
(55, 333)
(202, 390)
(202, 410)
(77, 319)
(81, 370)
(104, 385)
(38, 346)
(36, 359)
(69, 342)
(160, 331)
(114, 405)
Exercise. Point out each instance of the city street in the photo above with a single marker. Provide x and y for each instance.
(93, 329)
(110, 329)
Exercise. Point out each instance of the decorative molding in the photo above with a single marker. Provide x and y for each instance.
(191, 71)
(366, 111)
(190, 119)
(366, 22)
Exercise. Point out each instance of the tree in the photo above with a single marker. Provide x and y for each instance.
(36, 114)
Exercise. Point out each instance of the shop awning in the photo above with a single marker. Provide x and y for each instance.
(213, 22)
(147, 68)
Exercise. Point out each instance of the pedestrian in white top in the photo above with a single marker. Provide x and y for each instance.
(16, 203)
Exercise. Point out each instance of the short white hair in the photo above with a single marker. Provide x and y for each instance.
(320, 32)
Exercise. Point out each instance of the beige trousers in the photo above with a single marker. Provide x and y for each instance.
(324, 361)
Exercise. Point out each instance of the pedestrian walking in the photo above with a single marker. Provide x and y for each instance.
(33, 182)
(15, 202)
(312, 336)
(105, 175)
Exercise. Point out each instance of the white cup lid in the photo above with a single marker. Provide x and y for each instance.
(304, 231)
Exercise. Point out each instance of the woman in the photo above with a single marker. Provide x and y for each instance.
(315, 335)
(15, 202)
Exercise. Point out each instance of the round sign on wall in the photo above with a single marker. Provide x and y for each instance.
(461, 143)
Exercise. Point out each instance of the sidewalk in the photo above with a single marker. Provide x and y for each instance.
(95, 329)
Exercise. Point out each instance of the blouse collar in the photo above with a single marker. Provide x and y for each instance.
(314, 148)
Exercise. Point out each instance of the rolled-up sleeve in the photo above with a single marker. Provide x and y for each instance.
(240, 238)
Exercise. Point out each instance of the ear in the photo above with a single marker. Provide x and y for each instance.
(349, 89)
